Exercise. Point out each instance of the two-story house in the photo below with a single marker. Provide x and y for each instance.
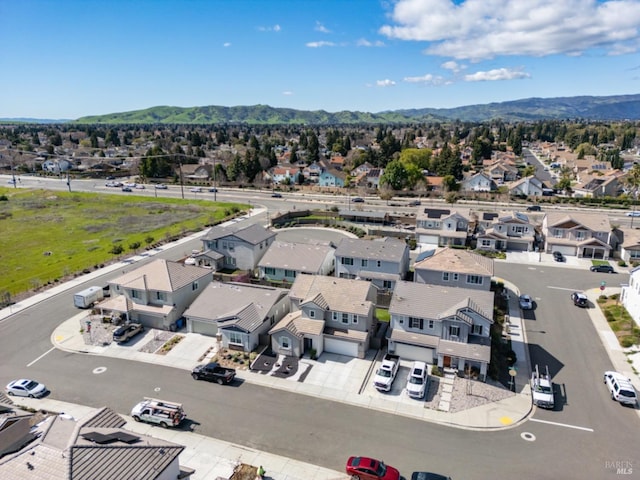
(527, 186)
(240, 312)
(480, 182)
(284, 261)
(453, 267)
(630, 295)
(512, 231)
(235, 246)
(281, 174)
(577, 234)
(328, 314)
(501, 172)
(442, 226)
(331, 177)
(596, 186)
(156, 294)
(448, 327)
(382, 261)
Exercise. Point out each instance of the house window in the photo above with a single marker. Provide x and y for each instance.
(445, 276)
(454, 331)
(334, 316)
(312, 314)
(194, 286)
(387, 284)
(448, 276)
(476, 329)
(290, 273)
(416, 323)
(345, 318)
(485, 243)
(355, 319)
(285, 343)
(235, 338)
(430, 325)
(379, 263)
(580, 235)
(269, 271)
(346, 261)
(135, 294)
(518, 229)
(224, 244)
(558, 233)
(230, 261)
(162, 296)
(474, 279)
(364, 262)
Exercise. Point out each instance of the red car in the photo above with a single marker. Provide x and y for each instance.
(363, 468)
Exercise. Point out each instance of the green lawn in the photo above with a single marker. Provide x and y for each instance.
(47, 235)
(383, 314)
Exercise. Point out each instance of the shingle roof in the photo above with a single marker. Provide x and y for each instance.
(388, 249)
(162, 275)
(299, 257)
(596, 222)
(298, 325)
(340, 294)
(252, 234)
(458, 261)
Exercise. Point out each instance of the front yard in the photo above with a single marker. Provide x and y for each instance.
(621, 323)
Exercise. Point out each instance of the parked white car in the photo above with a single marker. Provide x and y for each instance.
(620, 388)
(196, 190)
(26, 388)
(417, 380)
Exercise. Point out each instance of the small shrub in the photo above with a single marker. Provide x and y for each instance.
(622, 263)
(435, 370)
(608, 314)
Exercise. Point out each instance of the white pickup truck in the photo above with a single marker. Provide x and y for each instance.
(159, 412)
(542, 389)
(387, 372)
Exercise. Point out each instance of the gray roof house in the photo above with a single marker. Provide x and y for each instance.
(449, 327)
(94, 447)
(237, 247)
(240, 312)
(381, 261)
(284, 261)
(157, 293)
(443, 226)
(452, 267)
(512, 231)
(328, 314)
(578, 234)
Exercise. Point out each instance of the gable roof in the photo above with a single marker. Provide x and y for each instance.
(252, 234)
(239, 304)
(387, 248)
(300, 257)
(593, 221)
(339, 294)
(435, 301)
(459, 261)
(297, 325)
(162, 275)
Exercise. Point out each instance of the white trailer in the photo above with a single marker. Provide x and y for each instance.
(86, 298)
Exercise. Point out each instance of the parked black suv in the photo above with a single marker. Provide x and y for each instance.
(534, 208)
(125, 332)
(602, 269)
(558, 257)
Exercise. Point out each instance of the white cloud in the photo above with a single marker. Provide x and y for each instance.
(496, 74)
(320, 44)
(455, 67)
(287, 93)
(428, 79)
(321, 28)
(274, 28)
(484, 29)
(385, 83)
(363, 42)
(226, 44)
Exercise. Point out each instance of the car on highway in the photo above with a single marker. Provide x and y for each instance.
(602, 268)
(415, 203)
(161, 186)
(213, 190)
(579, 299)
(558, 257)
(276, 195)
(196, 190)
(357, 200)
(139, 186)
(127, 332)
(365, 468)
(534, 208)
(620, 388)
(110, 177)
(526, 303)
(26, 388)
(127, 189)
(633, 214)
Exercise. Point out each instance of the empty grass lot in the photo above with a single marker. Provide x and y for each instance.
(46, 236)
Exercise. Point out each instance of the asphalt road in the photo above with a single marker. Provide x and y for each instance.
(582, 438)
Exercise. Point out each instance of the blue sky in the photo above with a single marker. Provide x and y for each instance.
(71, 58)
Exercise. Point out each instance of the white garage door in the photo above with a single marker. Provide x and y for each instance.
(429, 239)
(564, 249)
(413, 352)
(204, 328)
(341, 347)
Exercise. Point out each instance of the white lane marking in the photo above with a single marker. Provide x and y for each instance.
(45, 353)
(562, 425)
(562, 288)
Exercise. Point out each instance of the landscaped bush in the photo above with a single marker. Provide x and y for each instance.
(622, 263)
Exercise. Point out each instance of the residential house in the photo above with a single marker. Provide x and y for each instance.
(445, 326)
(382, 261)
(331, 177)
(630, 246)
(240, 312)
(373, 176)
(442, 226)
(505, 231)
(585, 235)
(56, 166)
(596, 186)
(312, 172)
(95, 446)
(284, 261)
(337, 162)
(480, 182)
(328, 314)
(235, 246)
(453, 267)
(501, 172)
(630, 295)
(156, 294)
(290, 175)
(527, 186)
(195, 173)
(363, 168)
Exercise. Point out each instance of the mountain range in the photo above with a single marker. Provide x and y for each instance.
(589, 108)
